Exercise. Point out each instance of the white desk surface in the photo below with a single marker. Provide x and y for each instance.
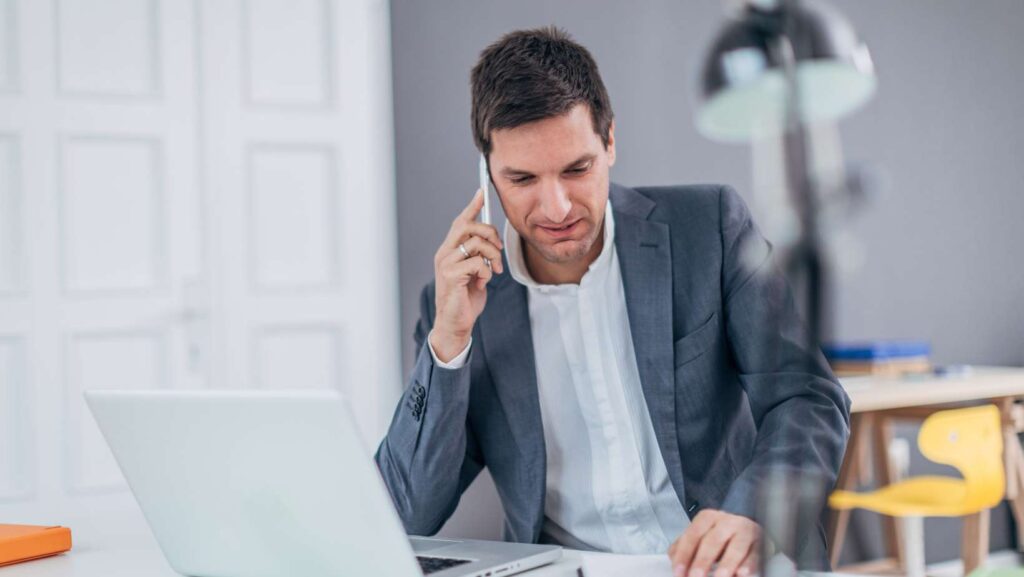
(877, 393)
(151, 563)
(86, 562)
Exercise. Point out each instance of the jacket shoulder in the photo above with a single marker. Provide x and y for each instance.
(688, 197)
(694, 206)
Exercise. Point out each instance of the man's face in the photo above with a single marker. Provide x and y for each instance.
(552, 179)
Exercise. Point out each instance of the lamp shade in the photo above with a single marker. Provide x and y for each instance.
(744, 92)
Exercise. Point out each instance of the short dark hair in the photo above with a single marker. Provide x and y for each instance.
(530, 75)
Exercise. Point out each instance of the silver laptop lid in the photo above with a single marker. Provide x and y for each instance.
(249, 483)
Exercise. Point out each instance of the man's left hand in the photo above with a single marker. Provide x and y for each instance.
(730, 540)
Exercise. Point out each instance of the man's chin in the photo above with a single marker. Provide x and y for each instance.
(563, 252)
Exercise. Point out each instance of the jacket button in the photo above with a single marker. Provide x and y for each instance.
(694, 506)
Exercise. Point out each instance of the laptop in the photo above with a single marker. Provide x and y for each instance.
(275, 484)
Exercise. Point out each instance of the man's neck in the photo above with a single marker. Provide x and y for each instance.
(546, 272)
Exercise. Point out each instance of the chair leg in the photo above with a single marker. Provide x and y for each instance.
(974, 540)
(913, 545)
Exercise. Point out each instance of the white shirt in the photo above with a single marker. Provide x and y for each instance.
(607, 487)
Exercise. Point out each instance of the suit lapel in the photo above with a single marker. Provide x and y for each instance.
(645, 258)
(508, 346)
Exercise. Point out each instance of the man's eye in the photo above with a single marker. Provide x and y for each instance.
(522, 180)
(579, 169)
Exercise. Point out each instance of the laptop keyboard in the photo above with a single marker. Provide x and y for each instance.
(434, 564)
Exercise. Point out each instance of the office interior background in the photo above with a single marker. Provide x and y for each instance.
(248, 193)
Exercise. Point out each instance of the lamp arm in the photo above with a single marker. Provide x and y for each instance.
(806, 260)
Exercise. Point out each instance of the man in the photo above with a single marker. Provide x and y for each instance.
(628, 366)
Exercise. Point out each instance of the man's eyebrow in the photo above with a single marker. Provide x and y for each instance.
(509, 171)
(585, 158)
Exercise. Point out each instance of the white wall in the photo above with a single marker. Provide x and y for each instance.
(192, 195)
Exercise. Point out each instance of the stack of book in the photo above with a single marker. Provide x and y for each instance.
(879, 358)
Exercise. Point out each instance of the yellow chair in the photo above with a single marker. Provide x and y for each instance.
(971, 441)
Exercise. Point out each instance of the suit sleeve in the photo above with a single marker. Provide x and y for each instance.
(429, 455)
(801, 412)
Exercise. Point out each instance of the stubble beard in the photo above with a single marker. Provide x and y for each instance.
(550, 253)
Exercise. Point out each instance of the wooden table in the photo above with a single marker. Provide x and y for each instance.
(877, 401)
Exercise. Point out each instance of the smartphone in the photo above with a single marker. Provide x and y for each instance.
(485, 186)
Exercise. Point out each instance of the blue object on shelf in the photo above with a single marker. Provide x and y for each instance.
(876, 350)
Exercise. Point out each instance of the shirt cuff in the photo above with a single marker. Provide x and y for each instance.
(457, 363)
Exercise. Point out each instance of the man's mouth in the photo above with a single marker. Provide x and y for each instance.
(560, 232)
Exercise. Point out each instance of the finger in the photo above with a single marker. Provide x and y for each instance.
(468, 215)
(686, 545)
(485, 231)
(735, 552)
(474, 246)
(678, 570)
(750, 565)
(462, 231)
(473, 208)
(479, 246)
(461, 273)
(709, 550)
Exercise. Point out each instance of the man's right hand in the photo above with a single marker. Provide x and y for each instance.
(461, 280)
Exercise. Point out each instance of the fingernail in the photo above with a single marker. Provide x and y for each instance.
(743, 572)
(696, 573)
(680, 571)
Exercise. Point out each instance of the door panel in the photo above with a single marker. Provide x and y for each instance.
(192, 195)
(300, 183)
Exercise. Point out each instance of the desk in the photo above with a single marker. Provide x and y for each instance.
(150, 563)
(877, 401)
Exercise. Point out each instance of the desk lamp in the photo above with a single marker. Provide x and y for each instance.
(775, 69)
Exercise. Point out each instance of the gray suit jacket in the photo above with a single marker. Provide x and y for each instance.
(731, 382)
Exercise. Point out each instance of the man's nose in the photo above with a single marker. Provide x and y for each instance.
(555, 203)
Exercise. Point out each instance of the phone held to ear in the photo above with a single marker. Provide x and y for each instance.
(485, 188)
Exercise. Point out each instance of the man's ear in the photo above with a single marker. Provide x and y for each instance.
(611, 144)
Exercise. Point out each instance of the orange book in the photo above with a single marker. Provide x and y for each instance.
(26, 542)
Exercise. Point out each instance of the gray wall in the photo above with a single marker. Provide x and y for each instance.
(942, 243)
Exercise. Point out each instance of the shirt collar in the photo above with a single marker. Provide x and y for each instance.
(517, 255)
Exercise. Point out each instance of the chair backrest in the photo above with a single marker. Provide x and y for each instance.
(970, 440)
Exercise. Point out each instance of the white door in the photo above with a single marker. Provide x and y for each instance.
(295, 124)
(189, 192)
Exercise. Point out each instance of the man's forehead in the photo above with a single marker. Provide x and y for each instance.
(549, 143)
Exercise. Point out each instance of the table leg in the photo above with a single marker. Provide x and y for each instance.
(884, 475)
(838, 521)
(974, 540)
(1014, 462)
(1017, 503)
